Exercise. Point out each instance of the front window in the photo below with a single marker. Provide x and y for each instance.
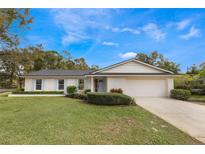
(60, 84)
(38, 84)
(81, 84)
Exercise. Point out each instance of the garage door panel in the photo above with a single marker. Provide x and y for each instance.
(142, 88)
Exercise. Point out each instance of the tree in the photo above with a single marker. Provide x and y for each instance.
(80, 64)
(94, 67)
(193, 70)
(10, 64)
(17, 61)
(202, 73)
(149, 59)
(8, 17)
(168, 65)
(34, 57)
(156, 59)
(52, 59)
(4, 80)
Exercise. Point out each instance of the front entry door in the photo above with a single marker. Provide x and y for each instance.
(100, 85)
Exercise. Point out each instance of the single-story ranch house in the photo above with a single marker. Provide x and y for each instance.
(134, 77)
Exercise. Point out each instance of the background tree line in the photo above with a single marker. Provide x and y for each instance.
(17, 61)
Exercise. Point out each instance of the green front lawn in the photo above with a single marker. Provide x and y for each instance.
(197, 98)
(61, 120)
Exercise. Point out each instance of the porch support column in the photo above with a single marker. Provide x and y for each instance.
(92, 84)
(170, 85)
(107, 85)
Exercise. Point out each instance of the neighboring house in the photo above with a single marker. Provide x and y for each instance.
(134, 77)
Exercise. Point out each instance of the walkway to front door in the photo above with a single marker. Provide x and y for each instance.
(189, 117)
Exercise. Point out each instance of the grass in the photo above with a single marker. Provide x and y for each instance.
(61, 120)
(197, 98)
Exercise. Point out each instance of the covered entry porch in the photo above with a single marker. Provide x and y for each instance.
(98, 84)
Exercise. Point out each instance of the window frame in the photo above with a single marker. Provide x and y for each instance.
(81, 83)
(61, 84)
(41, 84)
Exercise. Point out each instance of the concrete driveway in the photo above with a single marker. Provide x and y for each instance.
(188, 117)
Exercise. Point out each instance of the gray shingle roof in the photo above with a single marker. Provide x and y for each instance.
(59, 73)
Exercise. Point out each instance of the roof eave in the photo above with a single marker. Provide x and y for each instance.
(167, 75)
(49, 75)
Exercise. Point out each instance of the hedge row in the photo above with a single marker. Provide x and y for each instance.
(198, 91)
(109, 99)
(180, 94)
(78, 96)
(38, 92)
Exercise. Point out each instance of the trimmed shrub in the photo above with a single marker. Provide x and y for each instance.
(78, 96)
(37, 92)
(180, 94)
(20, 89)
(197, 91)
(87, 91)
(202, 86)
(187, 87)
(116, 90)
(105, 98)
(188, 81)
(196, 84)
(71, 90)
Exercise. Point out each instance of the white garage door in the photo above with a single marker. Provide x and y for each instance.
(142, 88)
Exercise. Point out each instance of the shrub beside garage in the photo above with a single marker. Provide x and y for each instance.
(105, 98)
(189, 82)
(180, 94)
